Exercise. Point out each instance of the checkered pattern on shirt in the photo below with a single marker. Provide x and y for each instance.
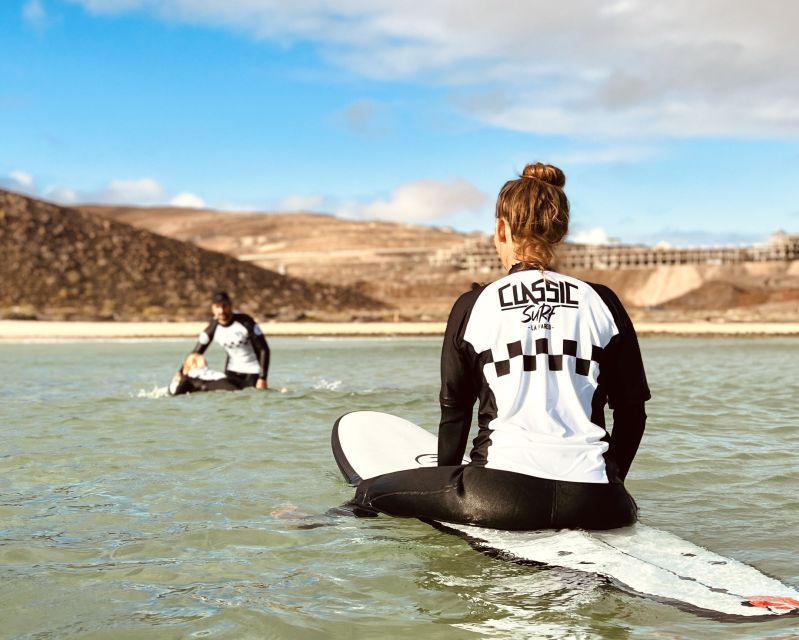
(554, 361)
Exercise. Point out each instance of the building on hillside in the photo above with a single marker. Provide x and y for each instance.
(477, 255)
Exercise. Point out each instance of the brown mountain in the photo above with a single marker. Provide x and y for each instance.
(402, 264)
(389, 261)
(60, 262)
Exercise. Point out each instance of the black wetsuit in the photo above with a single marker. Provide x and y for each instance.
(543, 354)
(247, 352)
(192, 383)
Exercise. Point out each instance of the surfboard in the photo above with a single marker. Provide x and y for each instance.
(641, 560)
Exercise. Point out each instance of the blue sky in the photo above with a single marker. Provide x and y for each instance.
(674, 122)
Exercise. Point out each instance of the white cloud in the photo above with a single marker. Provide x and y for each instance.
(136, 192)
(607, 68)
(366, 118)
(18, 180)
(596, 236)
(188, 200)
(34, 14)
(113, 6)
(421, 201)
(62, 195)
(301, 203)
(607, 155)
(22, 178)
(359, 114)
(238, 207)
(698, 238)
(144, 191)
(669, 237)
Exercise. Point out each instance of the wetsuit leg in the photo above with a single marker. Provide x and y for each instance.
(495, 498)
(219, 385)
(593, 506)
(195, 385)
(242, 380)
(186, 385)
(461, 494)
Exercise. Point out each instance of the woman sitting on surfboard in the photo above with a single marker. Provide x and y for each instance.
(543, 353)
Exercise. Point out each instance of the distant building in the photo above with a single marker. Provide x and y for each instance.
(477, 255)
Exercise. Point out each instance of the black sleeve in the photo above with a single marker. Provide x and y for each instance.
(622, 375)
(621, 370)
(263, 355)
(458, 385)
(628, 429)
(258, 342)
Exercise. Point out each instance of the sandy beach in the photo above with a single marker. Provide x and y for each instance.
(25, 330)
(28, 330)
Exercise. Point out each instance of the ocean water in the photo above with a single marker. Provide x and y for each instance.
(125, 513)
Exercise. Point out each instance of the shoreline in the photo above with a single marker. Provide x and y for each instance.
(31, 330)
(38, 330)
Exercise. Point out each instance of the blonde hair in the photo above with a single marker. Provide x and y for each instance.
(194, 361)
(537, 211)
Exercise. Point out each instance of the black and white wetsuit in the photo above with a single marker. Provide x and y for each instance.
(247, 351)
(543, 353)
(202, 379)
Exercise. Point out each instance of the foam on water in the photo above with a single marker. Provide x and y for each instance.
(327, 385)
(155, 392)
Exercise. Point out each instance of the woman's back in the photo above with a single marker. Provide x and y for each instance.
(538, 341)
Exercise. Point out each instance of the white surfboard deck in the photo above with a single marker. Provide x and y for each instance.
(638, 559)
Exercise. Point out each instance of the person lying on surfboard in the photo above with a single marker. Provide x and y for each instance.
(542, 353)
(195, 376)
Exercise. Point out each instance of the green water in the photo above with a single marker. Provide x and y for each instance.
(128, 514)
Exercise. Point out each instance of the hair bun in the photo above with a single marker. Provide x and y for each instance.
(546, 173)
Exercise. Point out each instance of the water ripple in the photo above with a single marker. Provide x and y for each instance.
(127, 513)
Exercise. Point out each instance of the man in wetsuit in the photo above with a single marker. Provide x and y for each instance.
(195, 376)
(247, 362)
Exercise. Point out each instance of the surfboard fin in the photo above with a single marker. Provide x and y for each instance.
(777, 604)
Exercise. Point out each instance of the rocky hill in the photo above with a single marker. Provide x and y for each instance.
(63, 263)
(385, 260)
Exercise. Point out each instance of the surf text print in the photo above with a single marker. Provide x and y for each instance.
(520, 295)
(538, 313)
(538, 300)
